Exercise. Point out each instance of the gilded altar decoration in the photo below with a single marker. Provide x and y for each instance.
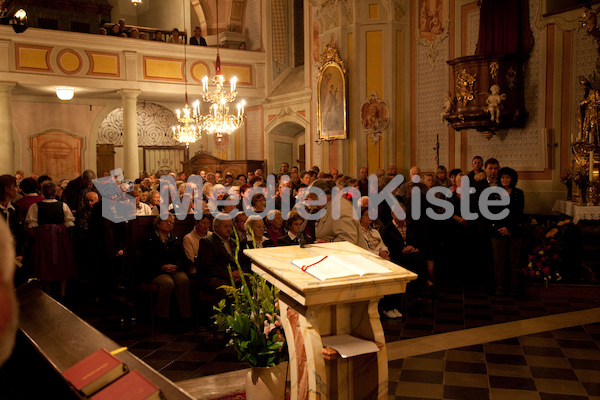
(589, 19)
(464, 86)
(585, 145)
(494, 69)
(374, 117)
(331, 96)
(511, 76)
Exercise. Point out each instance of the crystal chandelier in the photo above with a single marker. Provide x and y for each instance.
(218, 121)
(186, 131)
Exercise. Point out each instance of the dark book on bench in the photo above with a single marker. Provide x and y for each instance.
(95, 371)
(132, 386)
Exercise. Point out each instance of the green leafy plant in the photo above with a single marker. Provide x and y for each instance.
(250, 316)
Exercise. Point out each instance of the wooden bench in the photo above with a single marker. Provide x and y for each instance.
(63, 339)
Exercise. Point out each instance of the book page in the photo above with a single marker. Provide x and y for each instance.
(323, 267)
(349, 346)
(359, 264)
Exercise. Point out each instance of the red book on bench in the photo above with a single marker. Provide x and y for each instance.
(95, 371)
(133, 386)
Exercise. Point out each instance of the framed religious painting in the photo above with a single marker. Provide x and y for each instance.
(331, 97)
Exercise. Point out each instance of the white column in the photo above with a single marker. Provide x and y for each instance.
(7, 151)
(131, 169)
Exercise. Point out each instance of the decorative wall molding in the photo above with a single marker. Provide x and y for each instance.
(430, 33)
(286, 115)
(154, 124)
(375, 117)
(565, 21)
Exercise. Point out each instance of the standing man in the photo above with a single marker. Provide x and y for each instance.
(491, 175)
(285, 168)
(197, 39)
(477, 164)
(486, 227)
(74, 194)
(363, 181)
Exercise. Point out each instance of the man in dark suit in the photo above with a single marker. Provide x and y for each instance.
(197, 39)
(74, 194)
(215, 253)
(402, 239)
(485, 227)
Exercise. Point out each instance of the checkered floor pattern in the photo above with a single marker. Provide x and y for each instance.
(557, 365)
(562, 364)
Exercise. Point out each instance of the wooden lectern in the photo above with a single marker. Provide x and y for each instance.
(312, 309)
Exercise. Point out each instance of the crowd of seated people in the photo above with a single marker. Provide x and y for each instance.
(481, 252)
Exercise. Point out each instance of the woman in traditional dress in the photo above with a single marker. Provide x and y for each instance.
(53, 251)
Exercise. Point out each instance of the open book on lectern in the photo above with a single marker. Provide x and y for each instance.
(339, 266)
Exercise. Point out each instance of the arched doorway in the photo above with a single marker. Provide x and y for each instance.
(159, 152)
(286, 140)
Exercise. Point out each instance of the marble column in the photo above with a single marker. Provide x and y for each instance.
(131, 169)
(7, 150)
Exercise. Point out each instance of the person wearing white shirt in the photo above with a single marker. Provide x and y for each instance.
(53, 252)
(141, 209)
(191, 241)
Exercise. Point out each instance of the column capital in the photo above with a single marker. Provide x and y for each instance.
(129, 93)
(7, 86)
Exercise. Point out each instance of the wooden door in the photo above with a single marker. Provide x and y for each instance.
(105, 159)
(301, 158)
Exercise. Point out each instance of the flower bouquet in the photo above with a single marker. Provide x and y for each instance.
(251, 319)
(547, 257)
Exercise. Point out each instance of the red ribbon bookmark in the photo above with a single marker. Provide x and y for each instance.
(305, 267)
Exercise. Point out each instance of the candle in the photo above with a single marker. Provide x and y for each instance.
(239, 107)
(243, 104)
(591, 166)
(205, 83)
(178, 113)
(233, 82)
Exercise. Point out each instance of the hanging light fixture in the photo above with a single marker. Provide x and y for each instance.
(186, 131)
(218, 121)
(136, 2)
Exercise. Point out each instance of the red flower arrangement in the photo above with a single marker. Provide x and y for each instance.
(546, 257)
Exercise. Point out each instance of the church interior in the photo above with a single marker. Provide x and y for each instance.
(342, 88)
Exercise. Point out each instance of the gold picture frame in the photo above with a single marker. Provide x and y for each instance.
(331, 97)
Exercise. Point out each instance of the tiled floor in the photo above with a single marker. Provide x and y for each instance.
(547, 366)
(562, 364)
